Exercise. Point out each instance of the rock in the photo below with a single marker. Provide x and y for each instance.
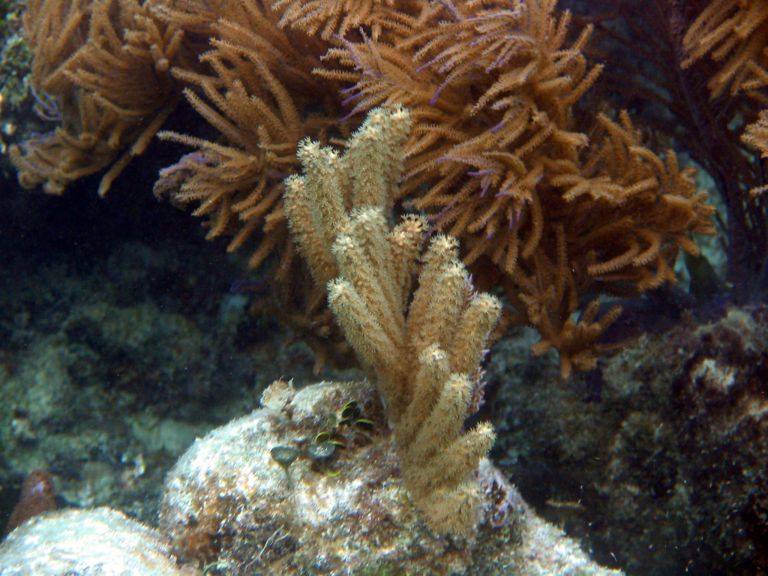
(96, 542)
(658, 457)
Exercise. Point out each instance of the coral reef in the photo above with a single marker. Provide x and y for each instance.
(554, 206)
(513, 538)
(565, 151)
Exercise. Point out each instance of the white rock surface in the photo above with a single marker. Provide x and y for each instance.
(96, 542)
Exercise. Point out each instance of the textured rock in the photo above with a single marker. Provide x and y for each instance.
(230, 505)
(658, 458)
(97, 542)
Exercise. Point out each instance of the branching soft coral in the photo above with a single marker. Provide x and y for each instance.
(734, 34)
(422, 346)
(624, 213)
(496, 156)
(497, 159)
(491, 88)
(756, 136)
(332, 18)
(237, 181)
(87, 61)
(256, 89)
(630, 208)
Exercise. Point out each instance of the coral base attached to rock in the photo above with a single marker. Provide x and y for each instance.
(231, 505)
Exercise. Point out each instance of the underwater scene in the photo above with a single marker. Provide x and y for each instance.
(383, 287)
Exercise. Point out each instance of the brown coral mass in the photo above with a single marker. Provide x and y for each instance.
(88, 57)
(549, 205)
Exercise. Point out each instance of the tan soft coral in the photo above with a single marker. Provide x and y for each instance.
(421, 345)
(329, 18)
(734, 35)
(621, 214)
